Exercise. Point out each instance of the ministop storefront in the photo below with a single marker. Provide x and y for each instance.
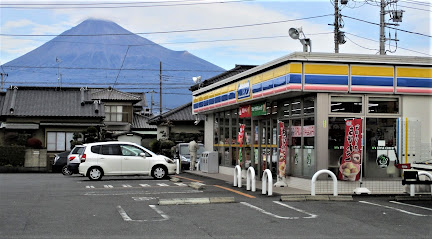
(310, 97)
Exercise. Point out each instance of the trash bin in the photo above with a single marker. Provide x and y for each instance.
(209, 162)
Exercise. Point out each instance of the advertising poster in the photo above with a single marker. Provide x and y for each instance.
(351, 158)
(283, 149)
(241, 134)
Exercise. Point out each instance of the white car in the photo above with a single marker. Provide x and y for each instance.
(123, 158)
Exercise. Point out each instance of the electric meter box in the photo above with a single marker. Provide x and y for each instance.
(209, 162)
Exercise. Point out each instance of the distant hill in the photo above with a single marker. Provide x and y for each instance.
(95, 60)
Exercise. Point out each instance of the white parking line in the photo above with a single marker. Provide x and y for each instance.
(137, 193)
(425, 208)
(393, 208)
(277, 216)
(108, 186)
(90, 187)
(126, 186)
(143, 198)
(298, 210)
(163, 184)
(145, 185)
(126, 218)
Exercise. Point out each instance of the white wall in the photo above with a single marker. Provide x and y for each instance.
(209, 133)
(419, 108)
(133, 139)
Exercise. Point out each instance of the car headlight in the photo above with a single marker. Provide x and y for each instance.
(168, 160)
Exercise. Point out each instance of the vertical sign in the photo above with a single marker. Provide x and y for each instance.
(240, 141)
(351, 158)
(283, 149)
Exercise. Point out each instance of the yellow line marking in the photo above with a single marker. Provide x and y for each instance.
(189, 179)
(235, 191)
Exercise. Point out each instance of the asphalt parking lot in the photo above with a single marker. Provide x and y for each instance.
(55, 206)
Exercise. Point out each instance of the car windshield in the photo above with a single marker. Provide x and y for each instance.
(77, 150)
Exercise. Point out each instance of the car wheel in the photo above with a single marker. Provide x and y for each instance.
(65, 171)
(159, 172)
(95, 173)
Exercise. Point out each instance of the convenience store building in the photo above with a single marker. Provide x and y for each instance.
(313, 94)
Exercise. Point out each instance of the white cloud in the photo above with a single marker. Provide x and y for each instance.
(157, 19)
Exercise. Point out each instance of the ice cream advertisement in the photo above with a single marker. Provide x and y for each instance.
(283, 150)
(351, 159)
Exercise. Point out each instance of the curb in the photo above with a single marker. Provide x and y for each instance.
(196, 185)
(414, 198)
(175, 179)
(193, 201)
(297, 198)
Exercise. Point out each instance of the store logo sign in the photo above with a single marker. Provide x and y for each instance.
(243, 90)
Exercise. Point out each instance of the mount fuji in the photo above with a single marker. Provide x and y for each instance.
(100, 53)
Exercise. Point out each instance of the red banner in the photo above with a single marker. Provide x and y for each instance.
(351, 157)
(240, 135)
(283, 149)
(245, 111)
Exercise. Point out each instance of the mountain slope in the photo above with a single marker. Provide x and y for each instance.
(84, 57)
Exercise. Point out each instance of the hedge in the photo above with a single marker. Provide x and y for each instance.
(12, 155)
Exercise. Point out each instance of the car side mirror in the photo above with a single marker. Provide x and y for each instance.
(142, 155)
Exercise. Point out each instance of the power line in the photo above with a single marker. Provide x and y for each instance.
(406, 49)
(81, 6)
(164, 32)
(402, 30)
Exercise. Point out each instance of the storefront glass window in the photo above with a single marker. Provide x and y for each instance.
(308, 106)
(344, 104)
(336, 142)
(283, 111)
(383, 105)
(296, 147)
(296, 108)
(380, 144)
(309, 161)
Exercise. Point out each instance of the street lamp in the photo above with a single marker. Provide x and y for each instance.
(295, 33)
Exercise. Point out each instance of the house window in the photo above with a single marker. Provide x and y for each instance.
(114, 113)
(59, 141)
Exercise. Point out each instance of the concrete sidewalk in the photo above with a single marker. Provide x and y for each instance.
(258, 184)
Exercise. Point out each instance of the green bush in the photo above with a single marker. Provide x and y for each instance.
(12, 156)
(162, 147)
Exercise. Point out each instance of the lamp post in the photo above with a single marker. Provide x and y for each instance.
(295, 33)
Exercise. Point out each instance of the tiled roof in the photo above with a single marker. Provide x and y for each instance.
(181, 113)
(236, 70)
(141, 122)
(143, 101)
(49, 101)
(113, 94)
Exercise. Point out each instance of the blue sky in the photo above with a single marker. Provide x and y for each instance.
(229, 46)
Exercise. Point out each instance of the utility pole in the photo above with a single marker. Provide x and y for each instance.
(382, 28)
(336, 26)
(2, 74)
(160, 88)
(395, 15)
(151, 101)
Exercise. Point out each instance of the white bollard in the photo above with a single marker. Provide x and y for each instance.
(267, 175)
(250, 177)
(178, 166)
(315, 176)
(237, 176)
